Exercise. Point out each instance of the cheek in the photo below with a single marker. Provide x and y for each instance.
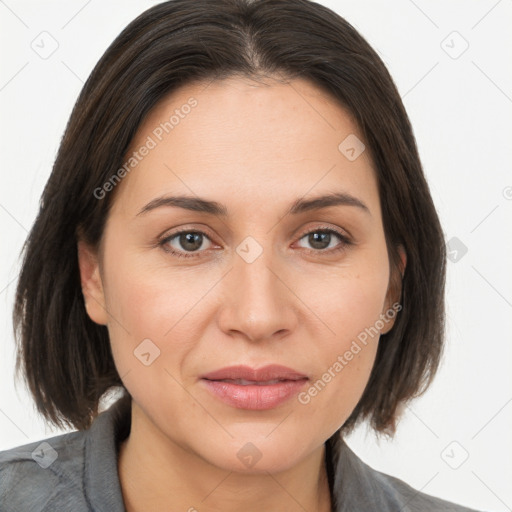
(351, 302)
(154, 304)
(352, 310)
(356, 307)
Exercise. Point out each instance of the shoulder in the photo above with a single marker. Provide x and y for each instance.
(413, 500)
(360, 487)
(74, 471)
(43, 475)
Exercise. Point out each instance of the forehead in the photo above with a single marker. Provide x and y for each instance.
(260, 140)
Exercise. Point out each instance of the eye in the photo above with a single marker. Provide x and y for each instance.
(187, 243)
(321, 240)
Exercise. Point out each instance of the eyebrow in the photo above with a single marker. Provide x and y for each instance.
(300, 205)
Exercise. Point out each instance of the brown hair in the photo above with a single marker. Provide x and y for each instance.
(66, 358)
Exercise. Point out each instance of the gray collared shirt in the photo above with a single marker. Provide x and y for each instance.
(77, 472)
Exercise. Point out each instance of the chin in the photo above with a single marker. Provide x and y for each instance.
(258, 453)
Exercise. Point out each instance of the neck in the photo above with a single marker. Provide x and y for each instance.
(161, 475)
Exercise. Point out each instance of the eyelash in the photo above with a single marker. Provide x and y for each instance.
(345, 241)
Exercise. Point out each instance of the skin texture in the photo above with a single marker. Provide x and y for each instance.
(254, 148)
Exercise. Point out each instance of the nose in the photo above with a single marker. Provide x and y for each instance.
(258, 302)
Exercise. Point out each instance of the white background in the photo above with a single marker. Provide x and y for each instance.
(461, 111)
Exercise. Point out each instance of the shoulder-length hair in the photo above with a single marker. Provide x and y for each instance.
(65, 357)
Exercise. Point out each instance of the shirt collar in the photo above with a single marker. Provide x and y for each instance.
(101, 475)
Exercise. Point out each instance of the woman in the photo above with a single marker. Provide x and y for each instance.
(237, 232)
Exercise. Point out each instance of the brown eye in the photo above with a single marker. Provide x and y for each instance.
(186, 241)
(324, 239)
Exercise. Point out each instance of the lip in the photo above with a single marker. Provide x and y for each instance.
(269, 372)
(257, 396)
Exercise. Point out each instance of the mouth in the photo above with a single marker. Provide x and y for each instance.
(242, 387)
(246, 374)
(243, 382)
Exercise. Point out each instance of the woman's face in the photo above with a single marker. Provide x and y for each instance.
(254, 286)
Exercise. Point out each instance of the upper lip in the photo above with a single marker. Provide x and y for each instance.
(269, 372)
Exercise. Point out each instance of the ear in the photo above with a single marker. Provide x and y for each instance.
(394, 292)
(92, 286)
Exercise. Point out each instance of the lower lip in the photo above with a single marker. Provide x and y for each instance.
(257, 398)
